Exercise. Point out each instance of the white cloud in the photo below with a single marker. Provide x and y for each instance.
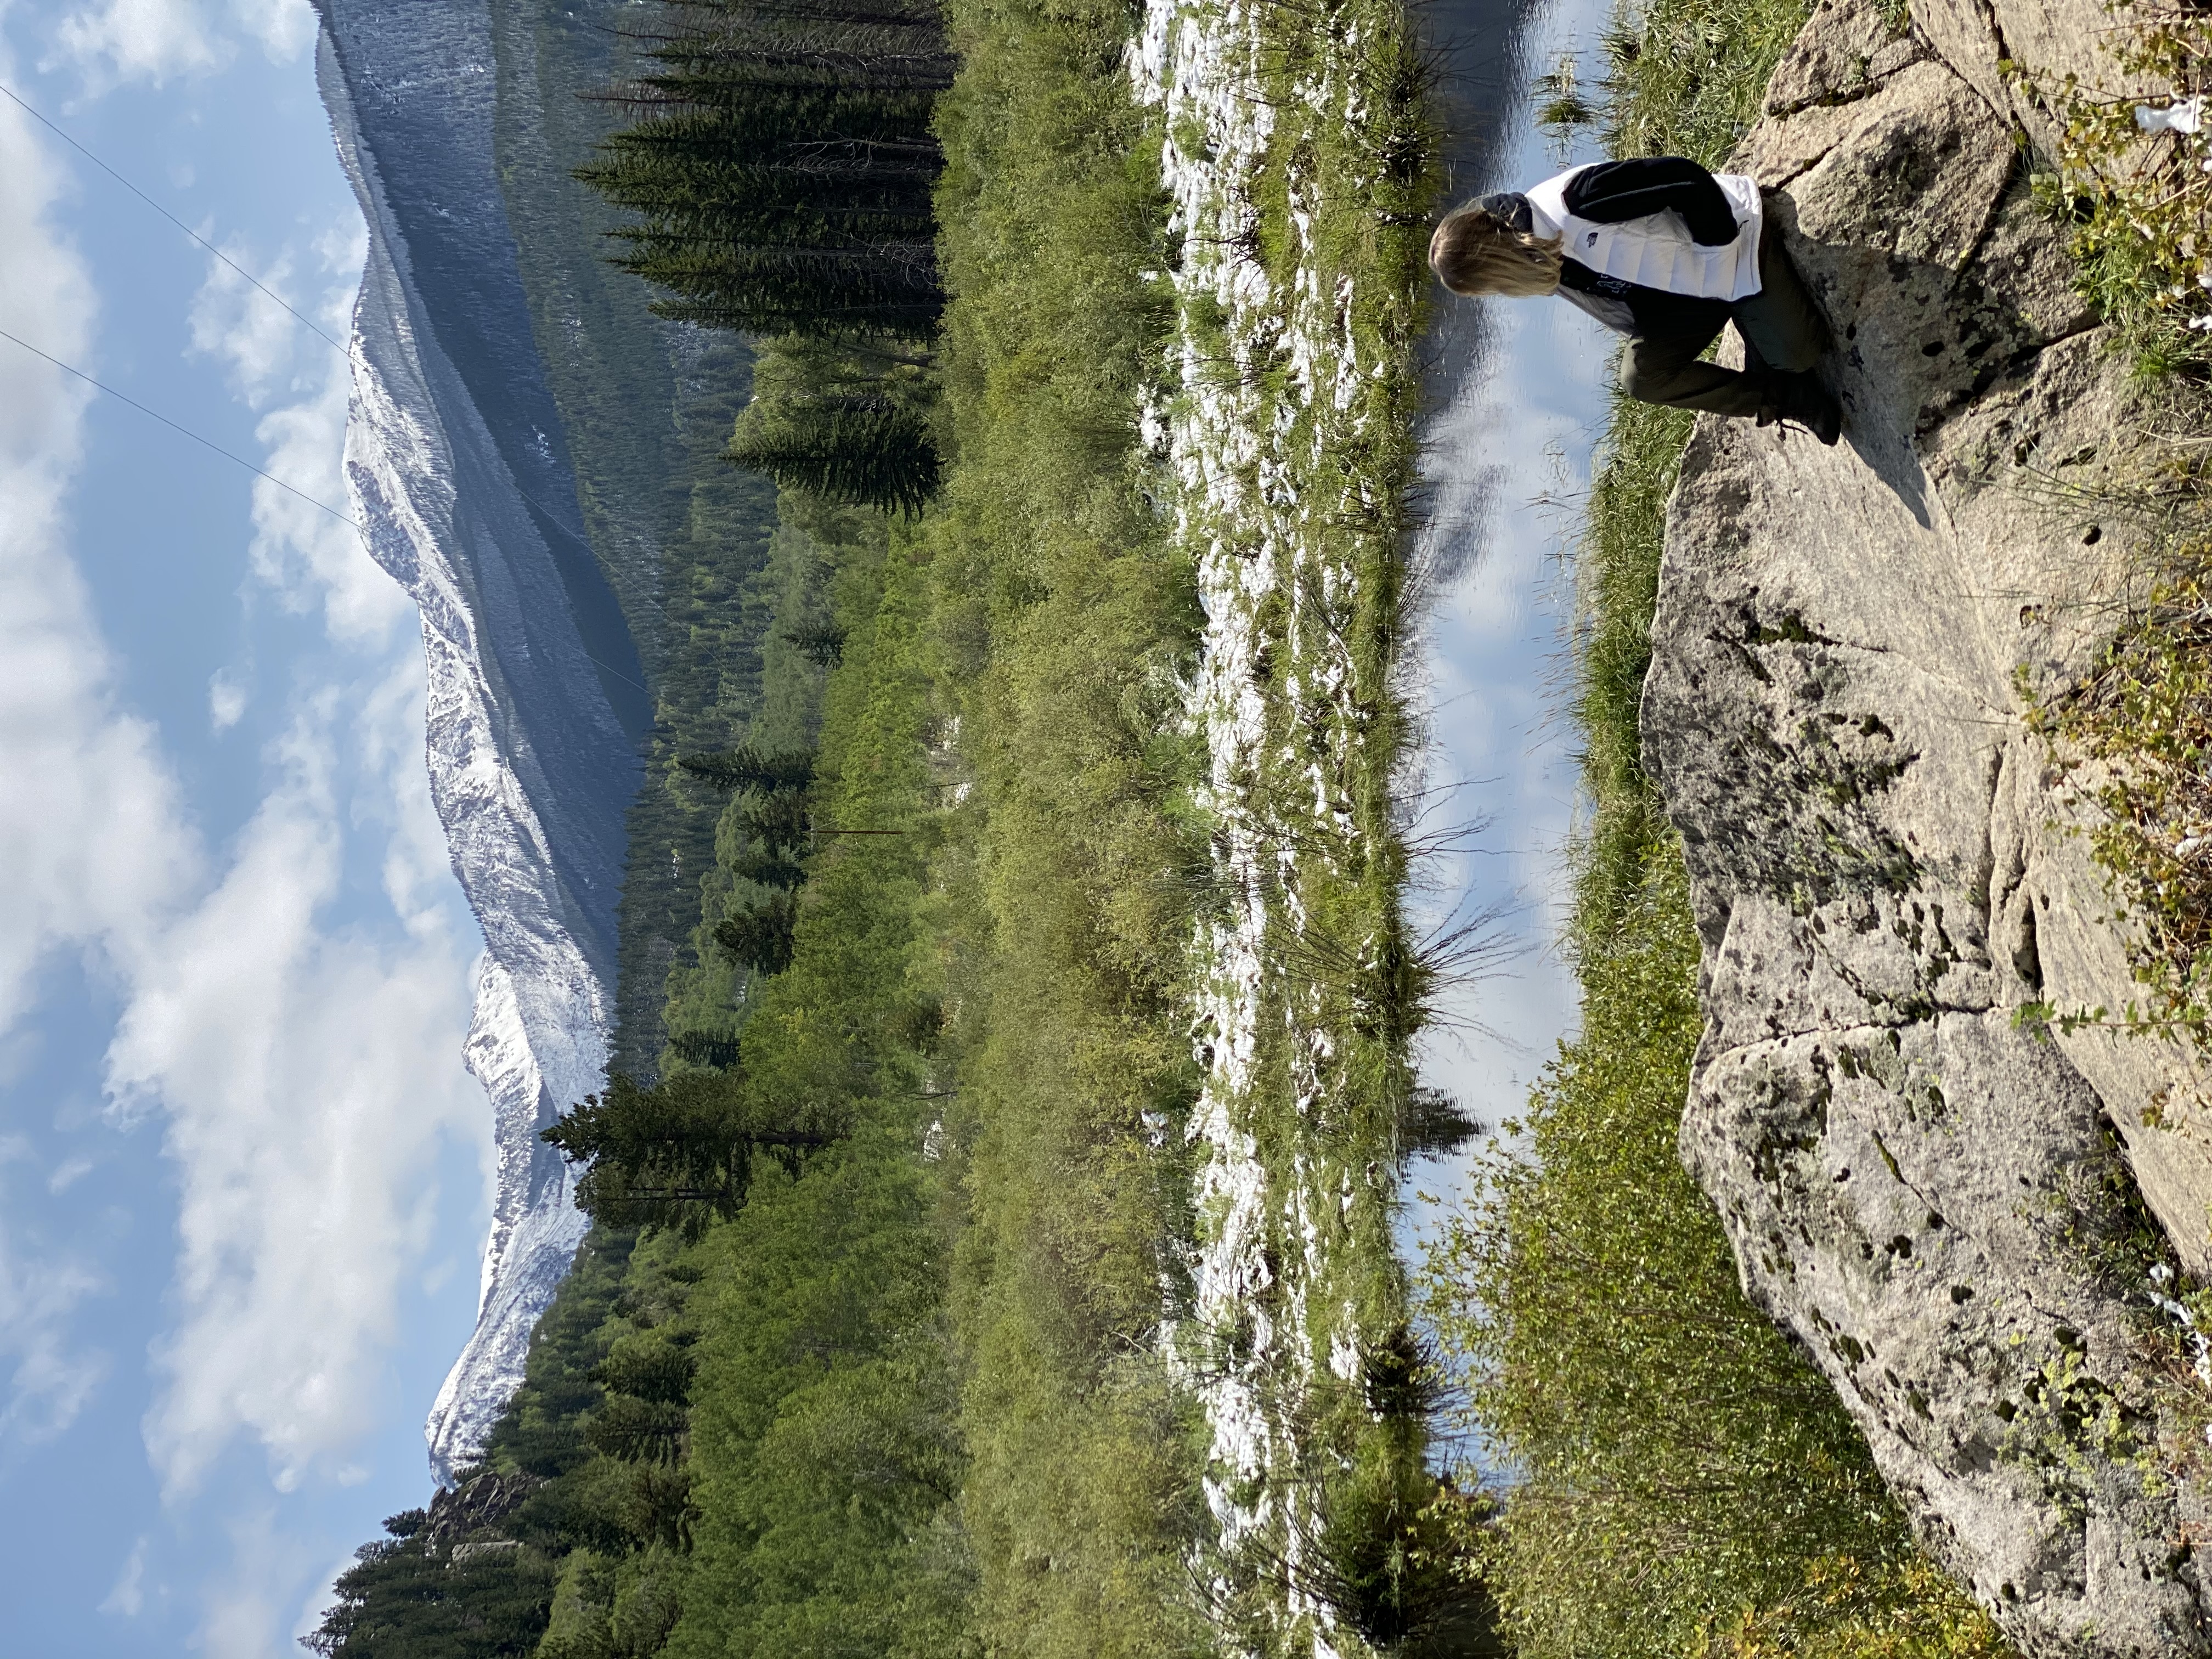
(306, 556)
(319, 1600)
(417, 871)
(89, 830)
(1507, 458)
(226, 700)
(86, 824)
(307, 1073)
(49, 1379)
(243, 1616)
(141, 40)
(306, 1079)
(248, 327)
(129, 1594)
(112, 42)
(284, 28)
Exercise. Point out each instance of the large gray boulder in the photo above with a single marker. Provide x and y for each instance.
(1954, 1215)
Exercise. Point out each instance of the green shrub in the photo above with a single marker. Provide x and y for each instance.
(2140, 208)
(2141, 717)
(1063, 621)
(1674, 1462)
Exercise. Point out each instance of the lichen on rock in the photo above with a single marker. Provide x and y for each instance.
(1950, 1208)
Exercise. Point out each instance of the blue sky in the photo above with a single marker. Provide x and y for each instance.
(242, 1171)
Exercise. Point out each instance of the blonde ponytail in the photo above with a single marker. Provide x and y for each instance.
(1475, 251)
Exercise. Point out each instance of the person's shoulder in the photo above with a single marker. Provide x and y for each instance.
(1594, 182)
(1610, 191)
(1508, 207)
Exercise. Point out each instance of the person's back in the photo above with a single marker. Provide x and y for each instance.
(1667, 254)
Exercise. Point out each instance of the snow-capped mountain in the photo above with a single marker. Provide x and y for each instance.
(461, 478)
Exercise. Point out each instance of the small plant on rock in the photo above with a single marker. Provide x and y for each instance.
(2135, 179)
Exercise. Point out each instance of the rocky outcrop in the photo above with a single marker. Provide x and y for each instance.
(459, 1515)
(1953, 1215)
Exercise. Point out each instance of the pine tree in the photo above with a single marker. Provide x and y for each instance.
(674, 1156)
(1432, 1124)
(747, 768)
(782, 166)
(634, 1431)
(819, 642)
(861, 450)
(775, 824)
(654, 1370)
(767, 869)
(760, 935)
(705, 1049)
(402, 1601)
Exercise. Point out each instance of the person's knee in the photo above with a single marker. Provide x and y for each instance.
(1648, 383)
(1795, 354)
(1783, 325)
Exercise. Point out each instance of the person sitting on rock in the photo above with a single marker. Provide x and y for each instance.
(1665, 252)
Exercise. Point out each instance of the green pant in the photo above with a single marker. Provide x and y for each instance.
(1782, 329)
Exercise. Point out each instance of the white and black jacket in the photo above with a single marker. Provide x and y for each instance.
(1651, 247)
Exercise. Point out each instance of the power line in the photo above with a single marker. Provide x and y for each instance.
(298, 315)
(179, 224)
(206, 443)
(308, 322)
(342, 518)
(352, 524)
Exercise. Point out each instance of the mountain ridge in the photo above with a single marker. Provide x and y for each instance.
(458, 464)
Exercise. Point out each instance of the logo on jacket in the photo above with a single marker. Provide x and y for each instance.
(1590, 240)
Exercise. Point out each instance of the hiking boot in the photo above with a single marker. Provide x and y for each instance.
(1800, 400)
